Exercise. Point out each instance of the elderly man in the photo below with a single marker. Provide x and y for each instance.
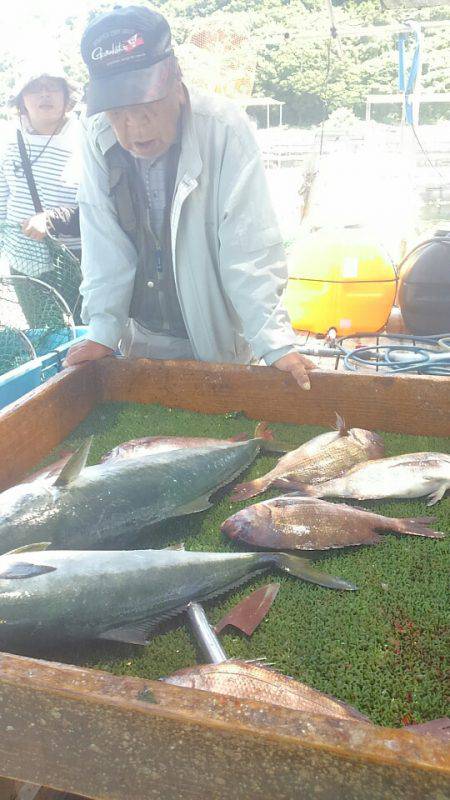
(182, 256)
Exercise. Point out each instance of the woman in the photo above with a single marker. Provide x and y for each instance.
(39, 175)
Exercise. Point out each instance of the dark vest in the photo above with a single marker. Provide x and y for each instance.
(154, 303)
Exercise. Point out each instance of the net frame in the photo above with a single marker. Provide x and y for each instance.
(15, 348)
(48, 260)
(37, 310)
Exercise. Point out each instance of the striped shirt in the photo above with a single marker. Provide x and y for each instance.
(55, 171)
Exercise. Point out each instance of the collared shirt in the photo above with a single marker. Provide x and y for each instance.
(159, 177)
(155, 178)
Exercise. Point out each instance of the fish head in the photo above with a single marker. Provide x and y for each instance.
(371, 442)
(249, 524)
(21, 508)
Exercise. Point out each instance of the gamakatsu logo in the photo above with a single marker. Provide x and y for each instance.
(98, 53)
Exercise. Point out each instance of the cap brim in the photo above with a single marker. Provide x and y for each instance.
(130, 88)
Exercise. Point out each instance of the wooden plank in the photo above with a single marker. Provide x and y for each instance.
(403, 404)
(32, 426)
(7, 790)
(103, 736)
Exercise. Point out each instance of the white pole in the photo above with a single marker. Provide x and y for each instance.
(333, 29)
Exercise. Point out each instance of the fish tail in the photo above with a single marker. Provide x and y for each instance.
(243, 491)
(301, 568)
(293, 485)
(418, 526)
(267, 441)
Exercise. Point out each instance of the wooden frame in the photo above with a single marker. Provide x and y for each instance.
(102, 736)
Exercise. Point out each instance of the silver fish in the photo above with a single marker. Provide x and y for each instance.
(410, 475)
(91, 507)
(120, 595)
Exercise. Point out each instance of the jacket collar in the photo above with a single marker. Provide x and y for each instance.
(190, 162)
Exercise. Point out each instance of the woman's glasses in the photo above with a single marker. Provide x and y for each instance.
(42, 86)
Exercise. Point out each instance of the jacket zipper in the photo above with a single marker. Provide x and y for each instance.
(182, 192)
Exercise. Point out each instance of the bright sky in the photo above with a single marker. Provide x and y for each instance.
(27, 27)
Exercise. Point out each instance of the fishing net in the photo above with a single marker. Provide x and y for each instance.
(219, 55)
(48, 261)
(15, 348)
(35, 309)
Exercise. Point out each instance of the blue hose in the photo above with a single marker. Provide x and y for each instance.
(393, 358)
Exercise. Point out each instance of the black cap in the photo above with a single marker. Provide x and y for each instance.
(129, 55)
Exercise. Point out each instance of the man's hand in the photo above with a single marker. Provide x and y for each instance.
(298, 366)
(86, 351)
(35, 227)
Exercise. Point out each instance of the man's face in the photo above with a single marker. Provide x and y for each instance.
(148, 130)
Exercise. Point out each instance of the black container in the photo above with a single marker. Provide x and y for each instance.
(424, 287)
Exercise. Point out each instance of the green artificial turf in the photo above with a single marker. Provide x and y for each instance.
(383, 649)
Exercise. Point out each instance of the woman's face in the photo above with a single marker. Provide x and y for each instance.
(45, 102)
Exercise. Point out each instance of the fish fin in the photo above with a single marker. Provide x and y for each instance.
(75, 464)
(21, 570)
(27, 548)
(418, 526)
(134, 634)
(194, 506)
(301, 568)
(262, 431)
(243, 491)
(340, 425)
(438, 494)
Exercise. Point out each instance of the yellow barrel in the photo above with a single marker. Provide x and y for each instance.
(340, 278)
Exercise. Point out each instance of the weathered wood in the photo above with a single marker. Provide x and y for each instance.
(28, 791)
(103, 736)
(403, 404)
(7, 789)
(31, 427)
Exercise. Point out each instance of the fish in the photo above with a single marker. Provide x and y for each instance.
(254, 681)
(322, 458)
(406, 476)
(56, 595)
(93, 507)
(307, 523)
(150, 445)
